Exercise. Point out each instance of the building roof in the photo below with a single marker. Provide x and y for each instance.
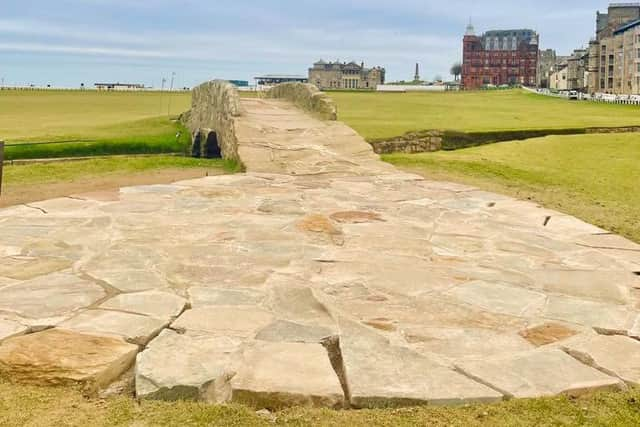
(281, 76)
(522, 32)
(627, 26)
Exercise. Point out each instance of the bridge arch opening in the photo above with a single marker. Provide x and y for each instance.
(197, 144)
(211, 147)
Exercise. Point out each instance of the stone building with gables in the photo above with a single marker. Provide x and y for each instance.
(343, 75)
(614, 53)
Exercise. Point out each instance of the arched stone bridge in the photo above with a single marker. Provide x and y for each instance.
(322, 276)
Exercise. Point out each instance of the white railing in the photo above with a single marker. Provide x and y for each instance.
(598, 97)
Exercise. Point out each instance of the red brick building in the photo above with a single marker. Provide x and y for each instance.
(504, 57)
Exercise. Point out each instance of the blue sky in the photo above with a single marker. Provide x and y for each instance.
(66, 42)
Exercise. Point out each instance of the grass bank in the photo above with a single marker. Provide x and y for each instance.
(148, 136)
(593, 177)
(32, 406)
(378, 115)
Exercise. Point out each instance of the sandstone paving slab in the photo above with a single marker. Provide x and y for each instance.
(617, 356)
(161, 305)
(231, 321)
(604, 317)
(299, 304)
(67, 206)
(379, 374)
(133, 328)
(538, 373)
(463, 343)
(499, 298)
(184, 367)
(278, 375)
(25, 268)
(604, 286)
(10, 328)
(548, 333)
(285, 331)
(59, 357)
(204, 296)
(608, 241)
(53, 296)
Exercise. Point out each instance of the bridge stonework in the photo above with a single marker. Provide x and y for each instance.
(215, 107)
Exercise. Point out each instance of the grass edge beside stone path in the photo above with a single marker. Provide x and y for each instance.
(591, 177)
(37, 406)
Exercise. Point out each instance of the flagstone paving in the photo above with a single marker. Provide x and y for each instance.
(320, 277)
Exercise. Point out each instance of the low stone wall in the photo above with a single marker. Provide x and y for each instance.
(211, 121)
(626, 129)
(308, 97)
(436, 140)
(412, 142)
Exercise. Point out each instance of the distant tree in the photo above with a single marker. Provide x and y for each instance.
(456, 70)
(437, 78)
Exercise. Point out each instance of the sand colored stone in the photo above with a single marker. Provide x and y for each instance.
(184, 367)
(615, 355)
(10, 328)
(59, 357)
(232, 321)
(280, 375)
(539, 373)
(162, 305)
(133, 328)
(547, 333)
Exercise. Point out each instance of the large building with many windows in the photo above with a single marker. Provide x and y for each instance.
(342, 75)
(503, 57)
(614, 53)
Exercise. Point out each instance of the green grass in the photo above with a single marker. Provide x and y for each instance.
(384, 115)
(90, 123)
(594, 177)
(45, 173)
(59, 115)
(33, 406)
(148, 136)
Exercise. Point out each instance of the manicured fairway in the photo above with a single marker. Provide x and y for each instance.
(594, 177)
(383, 115)
(67, 115)
(90, 123)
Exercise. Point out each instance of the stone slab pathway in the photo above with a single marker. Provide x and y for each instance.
(321, 277)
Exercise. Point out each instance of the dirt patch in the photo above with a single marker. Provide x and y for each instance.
(28, 193)
(548, 333)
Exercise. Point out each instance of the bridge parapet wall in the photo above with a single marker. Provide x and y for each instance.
(215, 107)
(308, 97)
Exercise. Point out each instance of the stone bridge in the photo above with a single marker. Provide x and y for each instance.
(322, 277)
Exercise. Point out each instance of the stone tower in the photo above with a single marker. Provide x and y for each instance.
(416, 78)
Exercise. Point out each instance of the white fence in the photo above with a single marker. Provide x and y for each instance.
(598, 97)
(411, 88)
